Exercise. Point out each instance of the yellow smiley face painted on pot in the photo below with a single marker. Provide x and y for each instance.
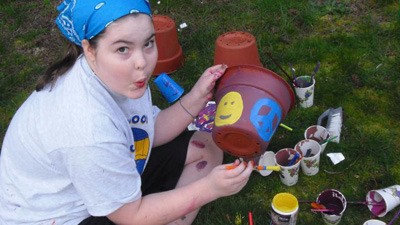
(229, 109)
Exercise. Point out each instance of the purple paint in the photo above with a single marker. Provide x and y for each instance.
(201, 165)
(332, 199)
(198, 144)
(378, 207)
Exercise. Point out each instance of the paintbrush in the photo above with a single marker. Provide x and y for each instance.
(394, 218)
(293, 73)
(308, 153)
(313, 203)
(314, 72)
(365, 203)
(251, 218)
(294, 160)
(278, 65)
(327, 140)
(274, 168)
(286, 127)
(322, 210)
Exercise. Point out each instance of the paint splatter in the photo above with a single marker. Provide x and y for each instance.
(201, 165)
(198, 144)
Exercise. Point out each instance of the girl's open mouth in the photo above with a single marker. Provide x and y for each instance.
(140, 84)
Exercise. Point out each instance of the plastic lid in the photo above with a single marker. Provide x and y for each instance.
(266, 159)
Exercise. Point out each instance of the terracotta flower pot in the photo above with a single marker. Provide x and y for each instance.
(170, 56)
(251, 102)
(236, 48)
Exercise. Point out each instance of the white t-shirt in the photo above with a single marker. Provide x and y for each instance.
(67, 153)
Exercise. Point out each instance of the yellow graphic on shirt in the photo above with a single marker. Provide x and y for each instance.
(229, 109)
(141, 148)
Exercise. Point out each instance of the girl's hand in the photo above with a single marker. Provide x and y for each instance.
(225, 182)
(204, 86)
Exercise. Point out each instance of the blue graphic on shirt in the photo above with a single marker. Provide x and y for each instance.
(265, 117)
(141, 148)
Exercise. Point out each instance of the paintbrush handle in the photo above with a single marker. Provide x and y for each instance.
(274, 168)
(364, 203)
(305, 201)
(327, 140)
(322, 210)
(230, 167)
(316, 69)
(286, 127)
(251, 218)
(293, 161)
(394, 218)
(278, 65)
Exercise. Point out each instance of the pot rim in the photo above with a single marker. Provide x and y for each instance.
(230, 71)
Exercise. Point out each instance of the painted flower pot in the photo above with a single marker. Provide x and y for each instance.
(170, 55)
(251, 103)
(236, 48)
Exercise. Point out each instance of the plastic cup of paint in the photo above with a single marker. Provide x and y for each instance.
(311, 151)
(168, 87)
(334, 200)
(305, 94)
(319, 134)
(381, 201)
(374, 222)
(288, 160)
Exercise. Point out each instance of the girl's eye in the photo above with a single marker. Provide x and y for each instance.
(149, 44)
(123, 50)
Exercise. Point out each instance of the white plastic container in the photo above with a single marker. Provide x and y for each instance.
(285, 208)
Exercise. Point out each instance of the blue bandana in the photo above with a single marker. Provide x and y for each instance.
(84, 19)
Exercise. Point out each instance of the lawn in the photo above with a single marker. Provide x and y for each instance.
(356, 41)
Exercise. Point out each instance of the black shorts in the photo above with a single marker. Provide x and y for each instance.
(162, 171)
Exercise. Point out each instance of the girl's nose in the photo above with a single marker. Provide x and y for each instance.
(139, 61)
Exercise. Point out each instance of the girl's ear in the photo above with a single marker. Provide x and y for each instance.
(89, 52)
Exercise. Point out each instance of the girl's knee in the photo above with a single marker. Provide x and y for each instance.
(202, 145)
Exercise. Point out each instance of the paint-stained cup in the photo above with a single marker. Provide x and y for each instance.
(381, 201)
(374, 222)
(311, 151)
(319, 134)
(168, 87)
(289, 162)
(304, 88)
(285, 208)
(334, 200)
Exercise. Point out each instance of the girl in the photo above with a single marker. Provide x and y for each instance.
(88, 146)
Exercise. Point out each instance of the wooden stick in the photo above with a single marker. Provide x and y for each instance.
(278, 65)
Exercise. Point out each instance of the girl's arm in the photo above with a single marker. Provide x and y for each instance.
(164, 207)
(171, 121)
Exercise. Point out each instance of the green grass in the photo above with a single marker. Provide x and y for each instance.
(357, 43)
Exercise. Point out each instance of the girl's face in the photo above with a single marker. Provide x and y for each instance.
(125, 55)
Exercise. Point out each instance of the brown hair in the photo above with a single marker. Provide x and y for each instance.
(60, 67)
